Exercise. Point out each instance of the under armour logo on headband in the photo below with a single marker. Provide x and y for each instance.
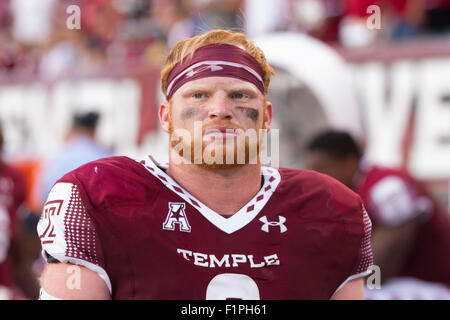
(210, 66)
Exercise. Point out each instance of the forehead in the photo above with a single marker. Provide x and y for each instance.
(218, 83)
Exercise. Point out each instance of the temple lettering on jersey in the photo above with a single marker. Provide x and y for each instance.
(211, 261)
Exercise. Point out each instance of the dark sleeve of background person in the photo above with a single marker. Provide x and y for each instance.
(392, 245)
(24, 253)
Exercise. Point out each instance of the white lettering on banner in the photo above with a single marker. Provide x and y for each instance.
(430, 157)
(386, 119)
(201, 259)
(36, 119)
(24, 113)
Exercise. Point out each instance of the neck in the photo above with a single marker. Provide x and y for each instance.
(223, 190)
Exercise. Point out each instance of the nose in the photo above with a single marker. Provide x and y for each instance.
(220, 107)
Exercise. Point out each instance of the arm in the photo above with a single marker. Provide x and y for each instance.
(352, 290)
(392, 246)
(25, 246)
(70, 282)
(24, 252)
(397, 212)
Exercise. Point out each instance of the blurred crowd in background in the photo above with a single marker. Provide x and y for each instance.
(34, 39)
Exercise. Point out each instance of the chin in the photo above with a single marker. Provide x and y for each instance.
(230, 157)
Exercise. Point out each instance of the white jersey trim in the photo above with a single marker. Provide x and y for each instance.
(238, 220)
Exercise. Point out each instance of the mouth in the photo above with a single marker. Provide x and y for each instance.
(220, 130)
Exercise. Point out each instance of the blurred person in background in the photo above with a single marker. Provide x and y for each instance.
(67, 52)
(193, 17)
(80, 147)
(411, 231)
(61, 55)
(216, 14)
(119, 32)
(32, 20)
(15, 57)
(398, 19)
(438, 16)
(16, 276)
(100, 22)
(141, 33)
(345, 22)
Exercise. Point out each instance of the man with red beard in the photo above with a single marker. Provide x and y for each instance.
(214, 223)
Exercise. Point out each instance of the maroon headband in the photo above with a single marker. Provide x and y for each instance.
(215, 60)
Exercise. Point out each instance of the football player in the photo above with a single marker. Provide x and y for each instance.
(213, 223)
(17, 280)
(411, 231)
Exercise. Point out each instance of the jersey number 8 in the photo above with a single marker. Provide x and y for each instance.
(237, 286)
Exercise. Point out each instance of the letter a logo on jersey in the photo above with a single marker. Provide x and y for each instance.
(177, 216)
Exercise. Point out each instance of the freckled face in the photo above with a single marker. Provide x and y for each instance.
(222, 105)
(216, 99)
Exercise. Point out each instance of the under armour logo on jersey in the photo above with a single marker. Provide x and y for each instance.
(177, 216)
(212, 67)
(280, 223)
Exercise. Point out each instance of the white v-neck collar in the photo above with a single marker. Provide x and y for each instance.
(238, 220)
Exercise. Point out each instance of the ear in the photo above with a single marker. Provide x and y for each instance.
(268, 116)
(163, 115)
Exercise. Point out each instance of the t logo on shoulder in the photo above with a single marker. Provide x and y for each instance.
(177, 215)
(280, 223)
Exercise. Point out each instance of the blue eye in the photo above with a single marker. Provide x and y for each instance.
(198, 95)
(238, 95)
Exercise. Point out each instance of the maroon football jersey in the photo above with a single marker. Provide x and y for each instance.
(392, 197)
(302, 236)
(12, 196)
